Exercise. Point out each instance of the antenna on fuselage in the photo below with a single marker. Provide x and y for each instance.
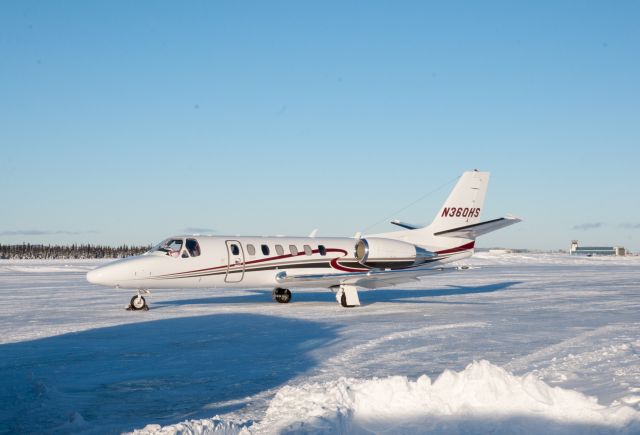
(313, 233)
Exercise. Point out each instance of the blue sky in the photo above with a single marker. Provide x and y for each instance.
(125, 122)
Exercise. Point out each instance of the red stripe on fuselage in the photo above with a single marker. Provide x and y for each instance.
(279, 257)
(334, 263)
(469, 245)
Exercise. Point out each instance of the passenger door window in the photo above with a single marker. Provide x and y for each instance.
(235, 267)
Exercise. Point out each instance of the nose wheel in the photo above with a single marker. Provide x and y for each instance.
(138, 302)
(281, 295)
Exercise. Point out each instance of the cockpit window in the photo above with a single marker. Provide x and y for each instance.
(193, 247)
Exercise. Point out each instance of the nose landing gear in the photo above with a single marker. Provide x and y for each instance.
(281, 295)
(138, 301)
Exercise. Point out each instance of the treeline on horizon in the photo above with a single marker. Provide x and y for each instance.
(28, 251)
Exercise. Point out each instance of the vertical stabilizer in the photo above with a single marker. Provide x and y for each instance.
(464, 204)
(463, 207)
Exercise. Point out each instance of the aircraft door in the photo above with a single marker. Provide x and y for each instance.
(235, 267)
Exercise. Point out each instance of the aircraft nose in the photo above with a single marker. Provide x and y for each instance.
(108, 275)
(95, 276)
(117, 273)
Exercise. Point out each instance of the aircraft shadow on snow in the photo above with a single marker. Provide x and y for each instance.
(163, 371)
(367, 297)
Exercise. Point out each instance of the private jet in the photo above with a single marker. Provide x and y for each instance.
(340, 264)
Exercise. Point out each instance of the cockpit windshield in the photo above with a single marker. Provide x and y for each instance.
(170, 247)
(174, 248)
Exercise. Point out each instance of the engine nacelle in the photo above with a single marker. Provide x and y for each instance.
(389, 254)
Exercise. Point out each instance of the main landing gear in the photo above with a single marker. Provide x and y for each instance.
(138, 301)
(281, 295)
(347, 295)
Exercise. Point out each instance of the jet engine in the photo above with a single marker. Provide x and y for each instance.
(389, 254)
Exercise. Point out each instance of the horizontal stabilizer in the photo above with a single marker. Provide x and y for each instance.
(406, 225)
(475, 230)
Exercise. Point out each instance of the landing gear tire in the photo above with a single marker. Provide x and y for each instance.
(138, 303)
(281, 295)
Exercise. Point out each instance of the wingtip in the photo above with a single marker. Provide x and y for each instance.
(513, 218)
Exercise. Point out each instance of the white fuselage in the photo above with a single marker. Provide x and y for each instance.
(246, 262)
(341, 264)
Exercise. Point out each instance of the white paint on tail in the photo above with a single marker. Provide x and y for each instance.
(462, 207)
(464, 204)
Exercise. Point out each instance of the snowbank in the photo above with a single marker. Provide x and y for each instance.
(196, 427)
(495, 258)
(46, 269)
(50, 266)
(481, 398)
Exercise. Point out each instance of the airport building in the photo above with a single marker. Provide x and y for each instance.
(595, 250)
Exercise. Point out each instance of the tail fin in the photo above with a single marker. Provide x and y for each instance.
(457, 223)
(464, 204)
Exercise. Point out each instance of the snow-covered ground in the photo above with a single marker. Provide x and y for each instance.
(526, 343)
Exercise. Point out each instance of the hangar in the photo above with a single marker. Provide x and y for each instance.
(596, 250)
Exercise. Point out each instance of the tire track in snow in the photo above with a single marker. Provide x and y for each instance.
(349, 356)
(549, 352)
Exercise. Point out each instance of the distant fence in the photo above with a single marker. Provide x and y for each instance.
(28, 251)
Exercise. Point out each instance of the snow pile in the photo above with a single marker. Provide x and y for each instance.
(481, 398)
(196, 427)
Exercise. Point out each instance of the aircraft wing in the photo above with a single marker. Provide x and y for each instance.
(475, 230)
(372, 279)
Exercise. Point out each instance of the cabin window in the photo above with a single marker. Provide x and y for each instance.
(265, 249)
(251, 249)
(308, 250)
(322, 250)
(235, 250)
(293, 249)
(279, 250)
(193, 247)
